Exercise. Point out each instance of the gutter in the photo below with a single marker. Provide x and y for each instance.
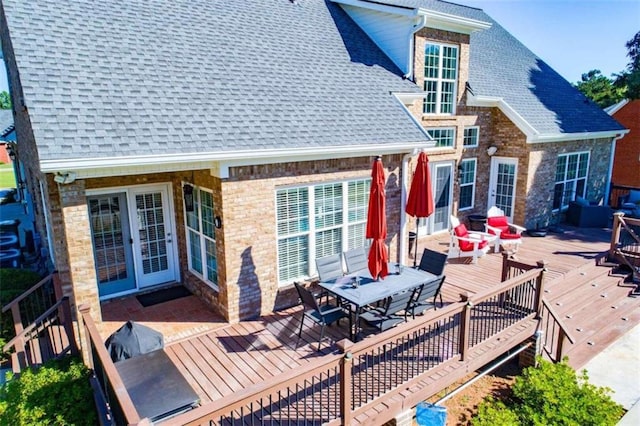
(403, 240)
(422, 22)
(607, 187)
(279, 155)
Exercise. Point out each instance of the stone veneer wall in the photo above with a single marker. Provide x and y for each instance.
(543, 158)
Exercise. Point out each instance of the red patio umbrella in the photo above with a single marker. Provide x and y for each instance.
(377, 223)
(420, 201)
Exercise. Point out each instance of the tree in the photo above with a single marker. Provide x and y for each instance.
(5, 100)
(629, 80)
(600, 89)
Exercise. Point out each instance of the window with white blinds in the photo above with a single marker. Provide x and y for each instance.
(201, 239)
(317, 221)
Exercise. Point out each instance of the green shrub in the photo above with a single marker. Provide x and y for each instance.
(493, 412)
(553, 394)
(58, 393)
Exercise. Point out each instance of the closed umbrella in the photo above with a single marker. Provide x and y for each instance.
(377, 223)
(420, 201)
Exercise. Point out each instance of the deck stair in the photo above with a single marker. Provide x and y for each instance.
(595, 305)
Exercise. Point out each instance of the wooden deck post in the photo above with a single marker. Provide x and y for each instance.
(540, 287)
(84, 335)
(615, 234)
(345, 388)
(68, 324)
(505, 266)
(561, 337)
(465, 322)
(19, 357)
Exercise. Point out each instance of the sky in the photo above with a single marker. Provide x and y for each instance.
(572, 36)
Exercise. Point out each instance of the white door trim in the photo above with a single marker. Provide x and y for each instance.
(493, 183)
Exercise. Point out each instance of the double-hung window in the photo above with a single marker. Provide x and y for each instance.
(470, 137)
(440, 78)
(571, 178)
(201, 239)
(444, 137)
(316, 221)
(467, 179)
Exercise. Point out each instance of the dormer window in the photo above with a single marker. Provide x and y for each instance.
(440, 78)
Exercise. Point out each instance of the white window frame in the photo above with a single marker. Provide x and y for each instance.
(203, 239)
(438, 138)
(569, 192)
(440, 80)
(346, 239)
(472, 183)
(467, 137)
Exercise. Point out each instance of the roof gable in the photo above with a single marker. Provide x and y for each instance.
(504, 73)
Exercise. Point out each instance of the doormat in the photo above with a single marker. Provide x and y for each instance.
(161, 296)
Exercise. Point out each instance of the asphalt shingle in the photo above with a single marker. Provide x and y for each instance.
(114, 78)
(501, 66)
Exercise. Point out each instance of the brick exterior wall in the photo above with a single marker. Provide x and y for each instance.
(248, 198)
(626, 164)
(246, 242)
(536, 162)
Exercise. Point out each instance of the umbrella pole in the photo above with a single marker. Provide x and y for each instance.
(415, 246)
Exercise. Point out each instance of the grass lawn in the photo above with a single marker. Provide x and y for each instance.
(7, 178)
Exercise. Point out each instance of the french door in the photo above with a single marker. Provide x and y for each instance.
(502, 184)
(133, 243)
(441, 185)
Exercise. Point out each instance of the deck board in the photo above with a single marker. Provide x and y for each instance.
(227, 358)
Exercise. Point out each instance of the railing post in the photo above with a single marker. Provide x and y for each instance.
(86, 353)
(19, 358)
(540, 287)
(561, 337)
(615, 234)
(345, 388)
(465, 322)
(505, 266)
(57, 285)
(67, 322)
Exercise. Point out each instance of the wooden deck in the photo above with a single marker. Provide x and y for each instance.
(220, 359)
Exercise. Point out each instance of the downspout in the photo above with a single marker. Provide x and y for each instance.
(412, 49)
(403, 240)
(607, 187)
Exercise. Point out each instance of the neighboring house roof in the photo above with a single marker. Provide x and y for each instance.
(505, 74)
(7, 129)
(612, 109)
(213, 78)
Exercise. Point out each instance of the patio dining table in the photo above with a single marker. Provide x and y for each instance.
(369, 291)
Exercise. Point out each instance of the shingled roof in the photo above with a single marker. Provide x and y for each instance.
(500, 67)
(112, 79)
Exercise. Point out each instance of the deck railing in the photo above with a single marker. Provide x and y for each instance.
(111, 387)
(38, 307)
(555, 334)
(625, 243)
(50, 336)
(338, 388)
(617, 192)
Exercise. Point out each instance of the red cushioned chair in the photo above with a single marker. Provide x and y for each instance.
(509, 235)
(466, 243)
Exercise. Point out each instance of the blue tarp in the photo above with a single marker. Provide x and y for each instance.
(428, 414)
